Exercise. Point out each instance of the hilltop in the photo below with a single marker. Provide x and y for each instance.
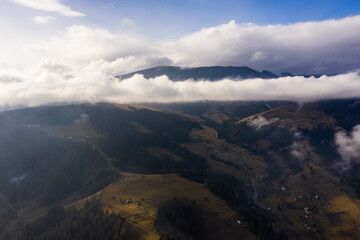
(210, 73)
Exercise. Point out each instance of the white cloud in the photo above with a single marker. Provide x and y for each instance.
(50, 6)
(324, 47)
(260, 122)
(327, 47)
(54, 69)
(80, 44)
(43, 19)
(51, 82)
(349, 145)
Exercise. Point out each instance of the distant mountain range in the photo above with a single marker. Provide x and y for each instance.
(212, 73)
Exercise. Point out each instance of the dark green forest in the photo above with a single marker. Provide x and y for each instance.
(179, 219)
(38, 168)
(52, 168)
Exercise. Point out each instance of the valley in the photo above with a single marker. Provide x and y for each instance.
(179, 120)
(251, 171)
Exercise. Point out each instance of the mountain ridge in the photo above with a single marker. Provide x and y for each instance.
(213, 73)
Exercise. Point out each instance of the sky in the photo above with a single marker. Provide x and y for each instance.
(168, 19)
(51, 48)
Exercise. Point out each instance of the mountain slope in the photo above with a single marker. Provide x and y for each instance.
(265, 170)
(210, 73)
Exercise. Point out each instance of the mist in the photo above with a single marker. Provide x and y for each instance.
(260, 122)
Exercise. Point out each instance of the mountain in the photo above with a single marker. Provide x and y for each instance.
(209, 73)
(205, 170)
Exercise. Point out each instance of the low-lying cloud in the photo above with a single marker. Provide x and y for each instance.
(54, 83)
(349, 145)
(260, 122)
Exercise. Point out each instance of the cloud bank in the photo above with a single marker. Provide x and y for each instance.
(299, 151)
(79, 63)
(54, 83)
(50, 6)
(325, 47)
(80, 45)
(349, 145)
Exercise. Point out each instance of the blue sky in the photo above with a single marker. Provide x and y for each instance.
(173, 18)
(169, 19)
(31, 21)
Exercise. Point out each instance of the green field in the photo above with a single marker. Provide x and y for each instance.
(137, 198)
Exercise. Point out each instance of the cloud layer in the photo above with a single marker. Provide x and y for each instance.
(325, 47)
(53, 83)
(79, 63)
(79, 45)
(50, 6)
